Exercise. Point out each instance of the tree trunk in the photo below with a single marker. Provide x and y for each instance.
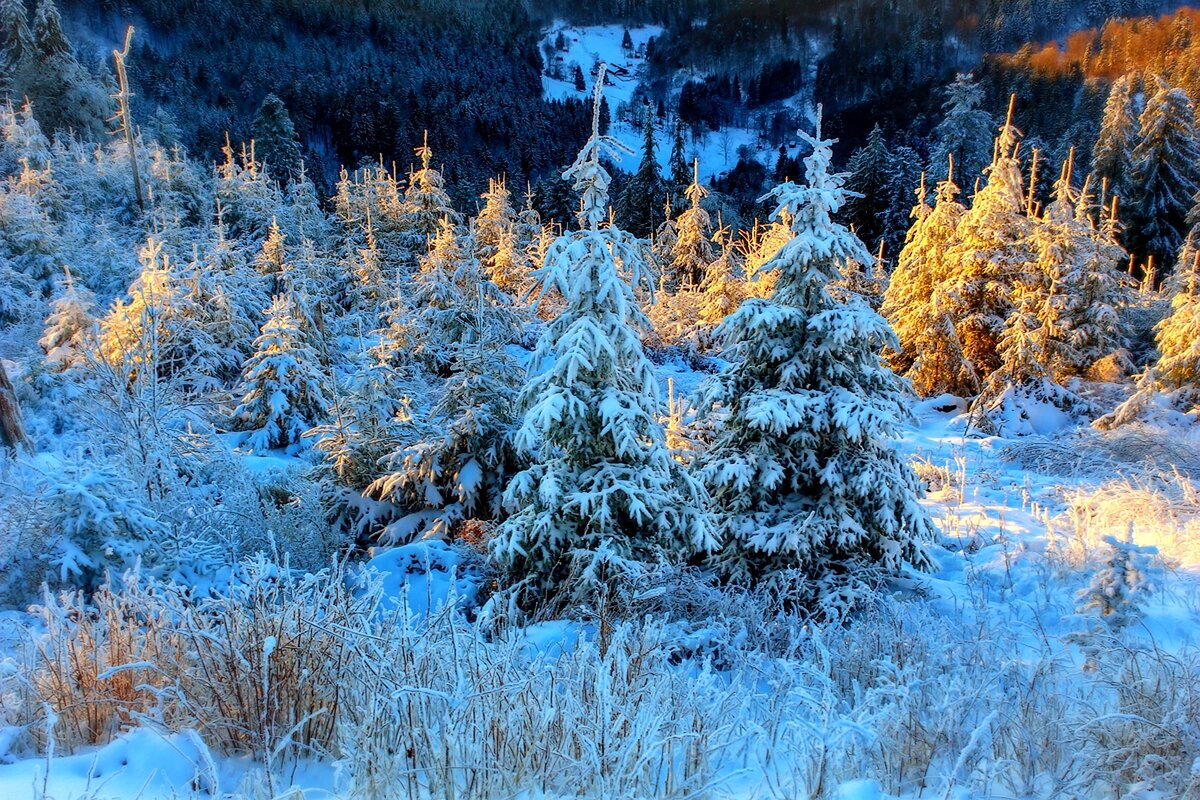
(12, 432)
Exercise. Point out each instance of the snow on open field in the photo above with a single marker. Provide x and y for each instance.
(1021, 522)
(588, 45)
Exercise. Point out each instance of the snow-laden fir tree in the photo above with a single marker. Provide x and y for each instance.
(28, 234)
(156, 326)
(64, 95)
(71, 319)
(282, 388)
(248, 198)
(438, 299)
(917, 304)
(275, 139)
(965, 132)
(681, 172)
(426, 202)
(1166, 172)
(271, 263)
(693, 248)
(1129, 575)
(1087, 265)
(640, 206)
(811, 490)
(991, 251)
(603, 494)
(454, 464)
(21, 139)
(497, 236)
(496, 217)
(1178, 336)
(1112, 156)
(16, 49)
(724, 287)
(871, 177)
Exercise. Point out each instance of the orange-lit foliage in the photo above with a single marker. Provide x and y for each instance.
(1168, 45)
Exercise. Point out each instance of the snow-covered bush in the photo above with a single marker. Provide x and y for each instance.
(1129, 572)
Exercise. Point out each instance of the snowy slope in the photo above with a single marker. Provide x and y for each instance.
(717, 151)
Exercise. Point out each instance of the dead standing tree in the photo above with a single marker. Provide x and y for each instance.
(12, 431)
(123, 119)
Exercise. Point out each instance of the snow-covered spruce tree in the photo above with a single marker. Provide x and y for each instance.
(693, 249)
(917, 305)
(64, 95)
(100, 524)
(1092, 286)
(16, 49)
(681, 172)
(248, 198)
(282, 388)
(497, 236)
(991, 251)
(761, 246)
(812, 492)
(157, 326)
(70, 320)
(21, 139)
(871, 177)
(1112, 156)
(271, 262)
(603, 494)
(723, 288)
(457, 461)
(438, 300)
(426, 203)
(28, 235)
(1166, 173)
(1129, 574)
(275, 139)
(640, 206)
(965, 132)
(1178, 336)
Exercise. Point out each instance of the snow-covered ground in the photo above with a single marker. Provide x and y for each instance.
(718, 151)
(983, 650)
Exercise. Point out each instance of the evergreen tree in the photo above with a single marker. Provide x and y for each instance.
(603, 493)
(802, 466)
(681, 171)
(1178, 336)
(282, 389)
(723, 288)
(438, 298)
(1166, 173)
(426, 203)
(965, 132)
(871, 176)
(693, 247)
(63, 94)
(992, 251)
(70, 320)
(457, 461)
(16, 49)
(275, 139)
(639, 208)
(156, 328)
(1112, 156)
(1081, 269)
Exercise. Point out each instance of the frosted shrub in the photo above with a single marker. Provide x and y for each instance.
(1128, 573)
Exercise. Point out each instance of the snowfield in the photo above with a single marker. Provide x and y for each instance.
(985, 671)
(718, 151)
